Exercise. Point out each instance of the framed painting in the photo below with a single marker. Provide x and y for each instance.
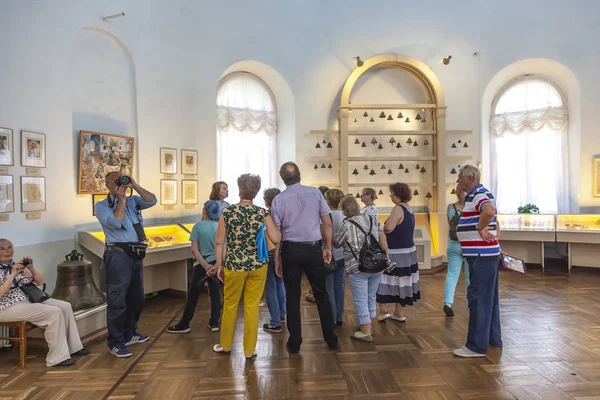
(596, 174)
(7, 194)
(189, 191)
(99, 154)
(33, 193)
(6, 147)
(33, 149)
(168, 161)
(189, 162)
(168, 192)
(96, 198)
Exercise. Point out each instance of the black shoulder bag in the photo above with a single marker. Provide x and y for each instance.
(372, 257)
(35, 294)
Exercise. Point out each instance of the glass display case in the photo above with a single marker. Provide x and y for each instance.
(188, 226)
(578, 222)
(527, 222)
(157, 236)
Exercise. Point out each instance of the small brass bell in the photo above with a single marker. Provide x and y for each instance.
(453, 145)
(371, 120)
(382, 166)
(453, 191)
(406, 171)
(316, 166)
(401, 166)
(417, 166)
(390, 118)
(428, 195)
(318, 146)
(400, 115)
(366, 167)
(380, 192)
(355, 172)
(415, 144)
(330, 166)
(392, 140)
(380, 147)
(354, 120)
(409, 141)
(372, 172)
(363, 145)
(323, 165)
(356, 141)
(329, 146)
(459, 141)
(423, 120)
(373, 141)
(416, 192)
(358, 195)
(365, 114)
(426, 143)
(407, 119)
(382, 115)
(453, 172)
(390, 172)
(418, 117)
(398, 145)
(324, 141)
(423, 170)
(465, 145)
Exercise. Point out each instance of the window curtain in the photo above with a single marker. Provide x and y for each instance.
(246, 132)
(530, 159)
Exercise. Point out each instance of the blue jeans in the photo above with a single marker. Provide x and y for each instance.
(484, 311)
(275, 293)
(364, 291)
(335, 288)
(455, 263)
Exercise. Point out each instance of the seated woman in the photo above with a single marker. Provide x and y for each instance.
(55, 316)
(242, 272)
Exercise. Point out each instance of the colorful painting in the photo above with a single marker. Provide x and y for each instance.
(99, 154)
(168, 161)
(189, 162)
(33, 149)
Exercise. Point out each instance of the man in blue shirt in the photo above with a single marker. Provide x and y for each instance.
(121, 220)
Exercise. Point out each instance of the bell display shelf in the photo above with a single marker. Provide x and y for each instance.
(581, 232)
(523, 235)
(165, 265)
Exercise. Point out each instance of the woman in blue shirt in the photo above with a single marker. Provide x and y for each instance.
(203, 248)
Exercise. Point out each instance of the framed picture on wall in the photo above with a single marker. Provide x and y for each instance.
(33, 149)
(96, 198)
(33, 193)
(189, 191)
(7, 194)
(168, 192)
(189, 162)
(168, 161)
(596, 175)
(99, 154)
(6, 147)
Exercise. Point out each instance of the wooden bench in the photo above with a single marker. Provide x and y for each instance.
(21, 327)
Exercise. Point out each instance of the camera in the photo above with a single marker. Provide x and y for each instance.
(123, 180)
(390, 266)
(26, 261)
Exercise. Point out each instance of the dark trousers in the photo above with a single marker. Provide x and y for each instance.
(214, 290)
(484, 311)
(296, 258)
(124, 295)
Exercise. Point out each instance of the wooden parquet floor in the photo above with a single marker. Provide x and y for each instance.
(551, 333)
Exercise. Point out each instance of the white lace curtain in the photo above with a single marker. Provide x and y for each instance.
(246, 132)
(529, 146)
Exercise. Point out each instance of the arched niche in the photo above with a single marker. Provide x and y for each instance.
(103, 88)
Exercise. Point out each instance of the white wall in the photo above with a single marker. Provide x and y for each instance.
(180, 49)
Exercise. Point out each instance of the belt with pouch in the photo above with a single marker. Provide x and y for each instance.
(132, 249)
(315, 243)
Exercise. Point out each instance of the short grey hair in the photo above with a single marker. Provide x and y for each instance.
(471, 170)
(107, 176)
(349, 206)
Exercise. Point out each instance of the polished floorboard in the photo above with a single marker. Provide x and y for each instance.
(551, 333)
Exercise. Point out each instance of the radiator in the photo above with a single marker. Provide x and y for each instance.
(4, 332)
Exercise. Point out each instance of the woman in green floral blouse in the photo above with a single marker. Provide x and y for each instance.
(242, 272)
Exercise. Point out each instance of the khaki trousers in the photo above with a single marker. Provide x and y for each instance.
(56, 317)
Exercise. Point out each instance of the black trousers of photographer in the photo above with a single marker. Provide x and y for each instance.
(124, 294)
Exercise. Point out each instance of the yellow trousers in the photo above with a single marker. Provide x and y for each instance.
(252, 285)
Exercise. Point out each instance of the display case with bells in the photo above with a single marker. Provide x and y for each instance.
(582, 234)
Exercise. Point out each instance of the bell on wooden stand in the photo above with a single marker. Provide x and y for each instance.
(75, 283)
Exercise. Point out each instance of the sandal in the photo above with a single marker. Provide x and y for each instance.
(217, 348)
(383, 317)
(251, 356)
(397, 318)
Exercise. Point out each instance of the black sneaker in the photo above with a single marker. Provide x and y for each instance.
(291, 350)
(272, 329)
(178, 329)
(448, 311)
(67, 363)
(82, 352)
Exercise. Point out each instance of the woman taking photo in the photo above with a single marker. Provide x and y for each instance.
(401, 285)
(55, 316)
(242, 272)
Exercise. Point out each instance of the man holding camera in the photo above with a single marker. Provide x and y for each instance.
(121, 219)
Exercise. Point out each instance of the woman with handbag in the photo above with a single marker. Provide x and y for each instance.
(55, 316)
(335, 273)
(363, 285)
(454, 252)
(243, 270)
(400, 286)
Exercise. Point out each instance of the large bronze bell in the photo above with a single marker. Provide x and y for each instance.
(75, 283)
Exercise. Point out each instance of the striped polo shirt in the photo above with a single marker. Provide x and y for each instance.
(470, 241)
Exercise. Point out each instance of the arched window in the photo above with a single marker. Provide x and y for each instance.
(529, 150)
(246, 131)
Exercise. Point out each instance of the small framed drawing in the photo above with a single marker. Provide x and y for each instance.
(189, 191)
(6, 147)
(33, 149)
(596, 177)
(168, 161)
(168, 192)
(33, 193)
(189, 162)
(7, 194)
(96, 198)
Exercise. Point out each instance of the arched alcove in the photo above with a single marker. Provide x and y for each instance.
(103, 89)
(567, 80)
(284, 99)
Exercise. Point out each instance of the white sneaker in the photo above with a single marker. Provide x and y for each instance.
(464, 352)
(396, 318)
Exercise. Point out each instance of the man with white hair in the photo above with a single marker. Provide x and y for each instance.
(477, 233)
